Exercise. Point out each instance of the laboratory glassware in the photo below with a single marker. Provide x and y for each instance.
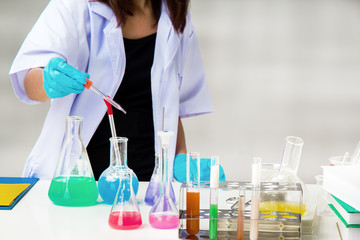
(241, 216)
(111, 119)
(164, 214)
(73, 183)
(153, 189)
(255, 198)
(89, 85)
(290, 160)
(192, 193)
(108, 183)
(214, 185)
(287, 172)
(125, 213)
(356, 155)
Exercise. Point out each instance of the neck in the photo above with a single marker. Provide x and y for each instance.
(142, 5)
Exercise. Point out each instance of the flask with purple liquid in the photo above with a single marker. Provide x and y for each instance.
(153, 190)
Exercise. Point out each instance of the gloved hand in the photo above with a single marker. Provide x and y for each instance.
(205, 165)
(61, 79)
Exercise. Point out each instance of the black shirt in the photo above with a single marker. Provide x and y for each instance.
(134, 95)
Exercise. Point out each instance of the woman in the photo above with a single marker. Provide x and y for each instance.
(143, 53)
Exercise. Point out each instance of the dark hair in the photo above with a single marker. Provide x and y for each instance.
(177, 9)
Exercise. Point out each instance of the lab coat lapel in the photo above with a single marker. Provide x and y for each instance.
(115, 43)
(167, 44)
(169, 38)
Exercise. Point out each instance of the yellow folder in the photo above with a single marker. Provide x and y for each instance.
(8, 192)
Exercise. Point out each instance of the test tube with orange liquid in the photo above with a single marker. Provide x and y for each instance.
(193, 193)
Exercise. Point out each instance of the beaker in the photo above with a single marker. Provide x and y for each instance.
(73, 183)
(108, 183)
(125, 213)
(164, 214)
(290, 159)
(287, 174)
(153, 189)
(289, 164)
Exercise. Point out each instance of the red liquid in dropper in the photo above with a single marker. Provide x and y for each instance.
(125, 220)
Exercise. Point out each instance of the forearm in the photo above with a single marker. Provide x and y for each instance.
(33, 84)
(180, 141)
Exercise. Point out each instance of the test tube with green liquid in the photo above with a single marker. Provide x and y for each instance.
(214, 185)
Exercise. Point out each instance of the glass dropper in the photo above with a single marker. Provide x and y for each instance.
(89, 85)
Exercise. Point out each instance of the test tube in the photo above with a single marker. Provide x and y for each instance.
(214, 185)
(192, 193)
(241, 216)
(255, 198)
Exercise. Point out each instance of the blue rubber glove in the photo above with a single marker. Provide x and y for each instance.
(205, 165)
(61, 79)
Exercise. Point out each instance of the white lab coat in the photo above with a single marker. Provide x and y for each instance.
(86, 35)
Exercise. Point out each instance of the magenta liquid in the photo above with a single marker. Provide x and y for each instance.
(153, 193)
(163, 221)
(125, 220)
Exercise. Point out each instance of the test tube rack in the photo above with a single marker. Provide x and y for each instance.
(280, 210)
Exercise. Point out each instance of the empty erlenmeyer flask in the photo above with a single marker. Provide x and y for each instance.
(108, 183)
(164, 214)
(125, 213)
(73, 183)
(153, 189)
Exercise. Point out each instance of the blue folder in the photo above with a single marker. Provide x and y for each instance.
(17, 180)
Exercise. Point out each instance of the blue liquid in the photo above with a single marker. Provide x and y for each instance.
(153, 193)
(108, 188)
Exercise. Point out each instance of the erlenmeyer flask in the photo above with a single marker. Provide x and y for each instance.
(125, 213)
(153, 190)
(108, 183)
(164, 214)
(73, 183)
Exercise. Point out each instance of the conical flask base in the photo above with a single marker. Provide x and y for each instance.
(164, 214)
(125, 220)
(153, 193)
(73, 191)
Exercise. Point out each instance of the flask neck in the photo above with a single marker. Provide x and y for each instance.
(73, 128)
(164, 169)
(118, 152)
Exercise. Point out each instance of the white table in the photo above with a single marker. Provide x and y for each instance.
(36, 217)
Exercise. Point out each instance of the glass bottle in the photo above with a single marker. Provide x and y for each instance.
(73, 183)
(125, 213)
(164, 214)
(108, 183)
(153, 189)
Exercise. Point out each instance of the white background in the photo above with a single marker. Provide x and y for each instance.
(275, 68)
